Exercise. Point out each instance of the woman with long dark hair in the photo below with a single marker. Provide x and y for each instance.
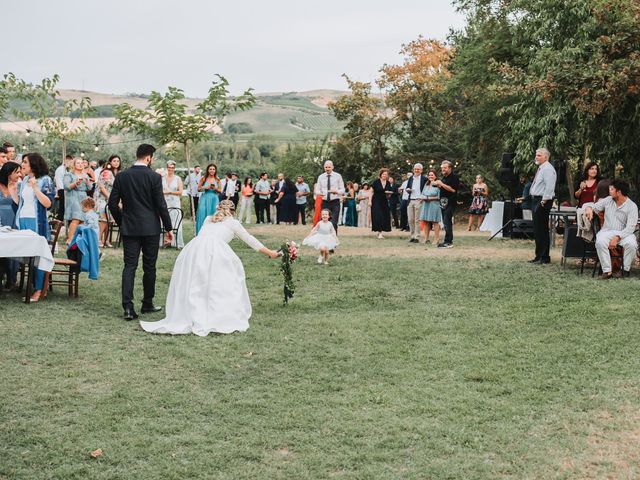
(287, 200)
(9, 176)
(35, 196)
(247, 198)
(210, 187)
(77, 183)
(380, 213)
(586, 190)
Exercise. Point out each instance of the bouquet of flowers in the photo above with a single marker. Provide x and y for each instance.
(289, 252)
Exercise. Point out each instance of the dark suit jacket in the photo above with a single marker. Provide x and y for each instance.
(143, 205)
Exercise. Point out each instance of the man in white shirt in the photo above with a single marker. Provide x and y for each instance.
(620, 223)
(331, 186)
(414, 187)
(58, 179)
(191, 184)
(228, 187)
(301, 199)
(404, 203)
(542, 193)
(262, 191)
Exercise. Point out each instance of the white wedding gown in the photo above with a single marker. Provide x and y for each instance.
(208, 292)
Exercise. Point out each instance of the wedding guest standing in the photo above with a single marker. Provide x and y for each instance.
(139, 191)
(431, 211)
(586, 191)
(479, 207)
(317, 206)
(414, 187)
(449, 185)
(58, 180)
(278, 186)
(101, 197)
(331, 185)
(262, 194)
(191, 183)
(301, 199)
(273, 206)
(542, 193)
(394, 202)
(351, 215)
(404, 203)
(172, 189)
(35, 197)
(3, 155)
(77, 183)
(287, 201)
(364, 202)
(209, 187)
(380, 215)
(247, 199)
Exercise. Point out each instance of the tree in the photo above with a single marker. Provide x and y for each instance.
(59, 119)
(167, 120)
(370, 126)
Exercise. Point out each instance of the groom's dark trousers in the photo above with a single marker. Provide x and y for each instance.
(139, 190)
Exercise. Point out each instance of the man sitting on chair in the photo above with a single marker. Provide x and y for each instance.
(620, 222)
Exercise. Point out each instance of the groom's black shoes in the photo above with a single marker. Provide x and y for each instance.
(150, 309)
(130, 314)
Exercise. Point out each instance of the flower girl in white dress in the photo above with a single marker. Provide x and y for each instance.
(323, 237)
(208, 292)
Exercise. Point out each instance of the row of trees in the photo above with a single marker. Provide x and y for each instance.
(564, 74)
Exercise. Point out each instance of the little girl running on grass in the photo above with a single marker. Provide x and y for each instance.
(323, 237)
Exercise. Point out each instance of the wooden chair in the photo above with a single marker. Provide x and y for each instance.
(617, 253)
(112, 227)
(65, 272)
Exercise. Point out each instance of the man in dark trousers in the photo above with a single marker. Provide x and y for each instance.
(139, 189)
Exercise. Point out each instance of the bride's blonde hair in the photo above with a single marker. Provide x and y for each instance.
(226, 208)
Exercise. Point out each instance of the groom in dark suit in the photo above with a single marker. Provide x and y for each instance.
(139, 189)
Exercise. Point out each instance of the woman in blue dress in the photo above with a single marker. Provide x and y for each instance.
(431, 211)
(209, 185)
(76, 185)
(35, 197)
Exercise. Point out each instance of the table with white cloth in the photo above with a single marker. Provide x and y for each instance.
(493, 219)
(28, 247)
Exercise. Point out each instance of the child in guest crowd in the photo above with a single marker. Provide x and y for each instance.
(90, 215)
(323, 237)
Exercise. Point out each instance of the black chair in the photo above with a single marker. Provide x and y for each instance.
(176, 215)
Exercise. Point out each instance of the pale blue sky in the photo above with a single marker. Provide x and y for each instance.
(117, 46)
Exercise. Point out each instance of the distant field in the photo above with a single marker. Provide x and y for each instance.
(275, 114)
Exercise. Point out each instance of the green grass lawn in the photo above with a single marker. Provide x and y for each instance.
(394, 361)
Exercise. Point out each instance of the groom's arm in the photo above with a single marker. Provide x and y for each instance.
(114, 202)
(161, 204)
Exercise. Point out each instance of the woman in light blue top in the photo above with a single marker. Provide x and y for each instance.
(431, 211)
(209, 185)
(35, 196)
(76, 184)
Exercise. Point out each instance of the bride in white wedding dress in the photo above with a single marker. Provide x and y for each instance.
(208, 292)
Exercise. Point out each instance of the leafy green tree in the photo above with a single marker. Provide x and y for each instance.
(168, 121)
(58, 119)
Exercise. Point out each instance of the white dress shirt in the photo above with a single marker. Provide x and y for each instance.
(337, 184)
(622, 220)
(59, 177)
(544, 183)
(403, 188)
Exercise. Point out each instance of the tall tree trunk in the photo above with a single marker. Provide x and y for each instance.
(187, 158)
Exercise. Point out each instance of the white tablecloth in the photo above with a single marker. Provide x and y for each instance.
(493, 220)
(25, 243)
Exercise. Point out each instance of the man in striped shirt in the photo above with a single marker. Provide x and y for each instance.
(620, 222)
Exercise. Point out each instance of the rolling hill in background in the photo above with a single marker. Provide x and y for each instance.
(283, 115)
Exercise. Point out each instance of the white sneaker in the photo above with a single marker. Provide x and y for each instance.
(320, 259)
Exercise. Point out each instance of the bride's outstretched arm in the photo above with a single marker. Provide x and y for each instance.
(249, 239)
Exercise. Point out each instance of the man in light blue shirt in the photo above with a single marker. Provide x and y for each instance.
(542, 192)
(301, 199)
